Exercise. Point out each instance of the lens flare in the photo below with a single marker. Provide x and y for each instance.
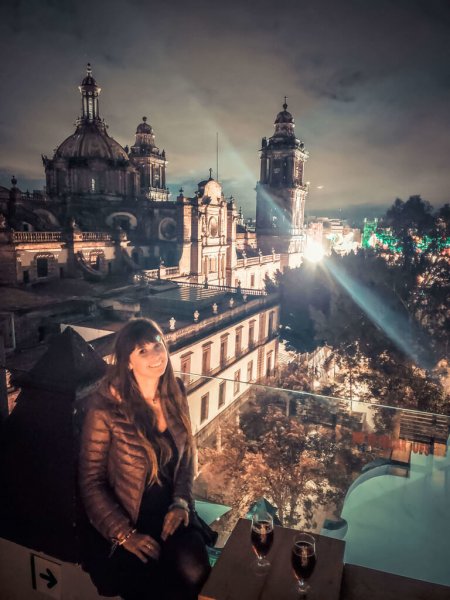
(397, 327)
(314, 252)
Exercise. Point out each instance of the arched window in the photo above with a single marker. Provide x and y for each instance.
(91, 109)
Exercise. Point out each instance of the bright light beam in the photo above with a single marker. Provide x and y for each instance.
(396, 326)
(314, 252)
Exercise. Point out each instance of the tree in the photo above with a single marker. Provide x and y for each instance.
(299, 290)
(289, 462)
(423, 267)
(413, 217)
(384, 309)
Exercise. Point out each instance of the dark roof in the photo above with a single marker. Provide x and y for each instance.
(144, 127)
(69, 364)
(91, 140)
(284, 117)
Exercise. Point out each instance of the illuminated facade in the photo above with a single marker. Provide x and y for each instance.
(281, 192)
(106, 210)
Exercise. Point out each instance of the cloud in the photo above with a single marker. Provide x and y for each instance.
(368, 85)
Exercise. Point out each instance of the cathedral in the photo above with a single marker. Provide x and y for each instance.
(106, 209)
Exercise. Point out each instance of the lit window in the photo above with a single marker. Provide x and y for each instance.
(223, 350)
(92, 185)
(271, 322)
(250, 371)
(238, 348)
(204, 410)
(251, 334)
(237, 381)
(206, 359)
(222, 393)
(269, 364)
(185, 369)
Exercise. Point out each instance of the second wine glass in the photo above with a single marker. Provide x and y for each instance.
(303, 560)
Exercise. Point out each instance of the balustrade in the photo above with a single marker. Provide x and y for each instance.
(36, 236)
(96, 236)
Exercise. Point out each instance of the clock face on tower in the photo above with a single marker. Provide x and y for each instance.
(167, 229)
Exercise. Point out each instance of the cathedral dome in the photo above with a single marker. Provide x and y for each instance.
(144, 127)
(89, 141)
(284, 116)
(284, 127)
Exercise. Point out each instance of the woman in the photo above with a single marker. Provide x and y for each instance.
(136, 472)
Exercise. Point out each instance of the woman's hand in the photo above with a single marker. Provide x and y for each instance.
(172, 521)
(143, 546)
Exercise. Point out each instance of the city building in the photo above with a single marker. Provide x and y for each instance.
(332, 235)
(281, 192)
(106, 209)
(193, 263)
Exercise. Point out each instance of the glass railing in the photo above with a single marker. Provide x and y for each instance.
(374, 476)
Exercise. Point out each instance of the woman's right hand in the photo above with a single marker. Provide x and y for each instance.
(143, 546)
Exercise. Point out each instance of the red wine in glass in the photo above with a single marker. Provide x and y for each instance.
(262, 538)
(303, 559)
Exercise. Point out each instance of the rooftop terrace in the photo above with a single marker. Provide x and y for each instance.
(326, 464)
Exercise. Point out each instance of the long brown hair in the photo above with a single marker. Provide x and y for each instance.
(121, 382)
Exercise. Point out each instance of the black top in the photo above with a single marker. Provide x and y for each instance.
(158, 496)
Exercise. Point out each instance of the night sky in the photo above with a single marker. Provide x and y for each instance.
(368, 83)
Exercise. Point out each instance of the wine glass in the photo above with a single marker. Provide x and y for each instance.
(303, 559)
(262, 538)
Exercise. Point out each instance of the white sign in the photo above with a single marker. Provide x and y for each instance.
(46, 576)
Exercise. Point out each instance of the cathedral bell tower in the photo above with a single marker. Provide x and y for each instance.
(151, 163)
(281, 192)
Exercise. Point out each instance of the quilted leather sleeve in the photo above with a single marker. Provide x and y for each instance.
(101, 505)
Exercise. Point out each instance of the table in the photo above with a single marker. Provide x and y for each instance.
(232, 578)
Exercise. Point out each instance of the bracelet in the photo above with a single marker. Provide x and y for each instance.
(126, 537)
(116, 542)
